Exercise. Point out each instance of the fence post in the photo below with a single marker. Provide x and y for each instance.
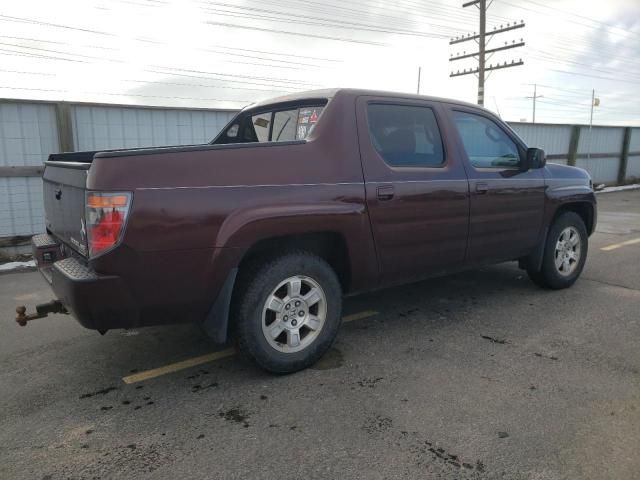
(573, 145)
(624, 159)
(65, 127)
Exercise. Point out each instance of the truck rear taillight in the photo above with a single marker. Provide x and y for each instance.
(106, 217)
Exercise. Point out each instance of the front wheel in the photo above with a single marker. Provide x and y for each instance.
(565, 253)
(287, 311)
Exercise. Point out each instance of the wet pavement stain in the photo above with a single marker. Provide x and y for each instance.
(237, 415)
(104, 391)
(548, 357)
(199, 388)
(332, 359)
(500, 341)
(369, 382)
(377, 424)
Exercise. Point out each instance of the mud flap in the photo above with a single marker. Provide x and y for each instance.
(217, 320)
(534, 259)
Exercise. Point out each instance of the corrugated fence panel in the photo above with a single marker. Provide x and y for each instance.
(600, 140)
(633, 163)
(633, 168)
(101, 127)
(28, 134)
(634, 144)
(21, 208)
(602, 170)
(553, 139)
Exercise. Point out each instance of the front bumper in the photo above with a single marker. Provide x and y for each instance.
(98, 302)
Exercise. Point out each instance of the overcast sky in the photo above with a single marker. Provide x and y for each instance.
(228, 53)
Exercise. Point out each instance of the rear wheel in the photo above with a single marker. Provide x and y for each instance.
(287, 311)
(565, 253)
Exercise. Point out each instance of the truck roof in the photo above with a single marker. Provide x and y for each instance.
(330, 93)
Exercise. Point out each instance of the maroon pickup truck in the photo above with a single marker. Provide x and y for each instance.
(297, 202)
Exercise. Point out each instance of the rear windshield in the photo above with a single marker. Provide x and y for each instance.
(279, 124)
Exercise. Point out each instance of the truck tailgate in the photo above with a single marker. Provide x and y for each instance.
(64, 202)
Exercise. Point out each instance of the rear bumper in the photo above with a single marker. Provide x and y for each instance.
(98, 302)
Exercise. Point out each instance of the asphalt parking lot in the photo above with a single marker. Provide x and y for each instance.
(477, 375)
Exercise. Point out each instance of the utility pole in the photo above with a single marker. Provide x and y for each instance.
(482, 52)
(595, 102)
(419, 72)
(535, 96)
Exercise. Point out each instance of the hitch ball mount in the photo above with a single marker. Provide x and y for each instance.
(42, 310)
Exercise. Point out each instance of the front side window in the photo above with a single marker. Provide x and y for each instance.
(485, 143)
(405, 135)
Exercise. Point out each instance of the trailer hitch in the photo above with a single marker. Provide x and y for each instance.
(42, 310)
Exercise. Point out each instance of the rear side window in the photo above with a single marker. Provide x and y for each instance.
(274, 126)
(485, 143)
(406, 136)
(284, 126)
(261, 125)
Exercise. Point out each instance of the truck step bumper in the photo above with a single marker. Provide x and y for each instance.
(99, 302)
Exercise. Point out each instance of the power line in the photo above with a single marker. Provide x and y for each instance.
(124, 94)
(152, 41)
(613, 79)
(573, 15)
(313, 20)
(92, 57)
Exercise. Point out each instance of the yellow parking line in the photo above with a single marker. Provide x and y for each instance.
(210, 357)
(359, 316)
(621, 244)
(174, 367)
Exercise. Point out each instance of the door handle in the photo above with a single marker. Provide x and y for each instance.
(482, 187)
(385, 192)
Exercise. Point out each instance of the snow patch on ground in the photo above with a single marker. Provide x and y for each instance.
(620, 188)
(5, 267)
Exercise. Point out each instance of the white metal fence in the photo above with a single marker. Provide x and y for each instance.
(30, 131)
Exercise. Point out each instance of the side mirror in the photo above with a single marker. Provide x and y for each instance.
(535, 159)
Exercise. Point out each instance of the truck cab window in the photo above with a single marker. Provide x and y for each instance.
(272, 126)
(284, 126)
(486, 144)
(261, 124)
(406, 136)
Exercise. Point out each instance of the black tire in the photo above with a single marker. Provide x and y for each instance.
(256, 284)
(549, 276)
